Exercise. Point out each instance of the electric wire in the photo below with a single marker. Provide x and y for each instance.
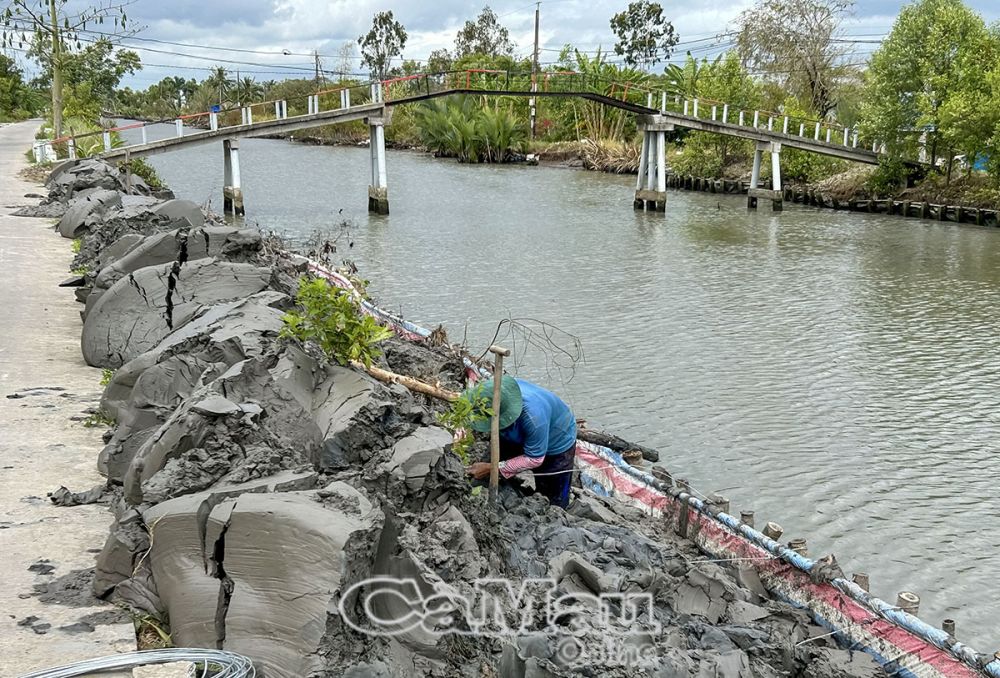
(215, 663)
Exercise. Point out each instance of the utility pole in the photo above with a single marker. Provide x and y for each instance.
(316, 57)
(57, 66)
(534, 72)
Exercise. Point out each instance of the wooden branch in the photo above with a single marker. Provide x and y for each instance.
(409, 382)
(614, 442)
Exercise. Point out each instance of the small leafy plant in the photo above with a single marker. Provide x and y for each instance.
(98, 419)
(76, 245)
(333, 319)
(142, 169)
(459, 419)
(106, 376)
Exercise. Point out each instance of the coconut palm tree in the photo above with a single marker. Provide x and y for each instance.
(247, 90)
(219, 81)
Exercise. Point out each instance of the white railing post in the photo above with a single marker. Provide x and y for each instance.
(770, 124)
(802, 129)
(696, 108)
(249, 115)
(143, 130)
(243, 116)
(179, 124)
(213, 121)
(854, 139)
(784, 126)
(756, 118)
(649, 99)
(725, 112)
(663, 103)
(874, 146)
(816, 136)
(284, 109)
(685, 107)
(107, 141)
(277, 110)
(71, 149)
(713, 112)
(845, 135)
(36, 149)
(828, 130)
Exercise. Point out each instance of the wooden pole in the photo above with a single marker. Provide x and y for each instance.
(498, 355)
(409, 382)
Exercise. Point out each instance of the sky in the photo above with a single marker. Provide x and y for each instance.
(273, 39)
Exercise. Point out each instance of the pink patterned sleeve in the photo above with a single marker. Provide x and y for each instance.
(512, 467)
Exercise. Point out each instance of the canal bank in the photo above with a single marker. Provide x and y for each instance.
(49, 551)
(260, 485)
(829, 370)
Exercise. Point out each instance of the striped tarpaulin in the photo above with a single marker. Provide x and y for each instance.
(902, 643)
(899, 649)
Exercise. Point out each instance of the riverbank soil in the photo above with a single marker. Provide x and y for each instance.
(50, 616)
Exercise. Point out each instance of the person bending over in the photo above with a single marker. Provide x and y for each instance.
(537, 433)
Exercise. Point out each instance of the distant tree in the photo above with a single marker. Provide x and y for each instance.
(247, 90)
(795, 42)
(17, 99)
(484, 36)
(933, 73)
(50, 27)
(439, 60)
(644, 36)
(218, 80)
(385, 40)
(345, 60)
(99, 66)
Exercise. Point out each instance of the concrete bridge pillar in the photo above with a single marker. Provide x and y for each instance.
(232, 194)
(773, 194)
(378, 189)
(651, 184)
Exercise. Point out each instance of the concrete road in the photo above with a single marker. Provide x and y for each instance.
(41, 446)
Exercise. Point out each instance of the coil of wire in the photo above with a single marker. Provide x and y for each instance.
(214, 663)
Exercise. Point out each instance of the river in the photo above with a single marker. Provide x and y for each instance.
(834, 372)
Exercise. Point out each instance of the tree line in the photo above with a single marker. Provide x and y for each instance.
(929, 87)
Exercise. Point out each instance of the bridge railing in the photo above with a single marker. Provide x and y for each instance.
(821, 131)
(417, 86)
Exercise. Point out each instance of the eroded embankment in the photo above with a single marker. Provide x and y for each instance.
(258, 489)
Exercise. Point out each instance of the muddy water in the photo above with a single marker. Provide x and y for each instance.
(837, 373)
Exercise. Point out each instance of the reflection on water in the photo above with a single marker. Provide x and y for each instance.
(834, 372)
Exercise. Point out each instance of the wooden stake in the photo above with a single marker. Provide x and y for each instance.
(861, 579)
(498, 354)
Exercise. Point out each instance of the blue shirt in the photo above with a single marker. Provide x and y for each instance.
(546, 425)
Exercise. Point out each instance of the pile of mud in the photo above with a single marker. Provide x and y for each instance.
(302, 513)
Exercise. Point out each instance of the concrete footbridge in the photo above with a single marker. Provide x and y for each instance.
(656, 114)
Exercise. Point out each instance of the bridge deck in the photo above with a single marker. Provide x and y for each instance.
(649, 117)
(257, 129)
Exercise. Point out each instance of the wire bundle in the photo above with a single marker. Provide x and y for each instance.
(217, 663)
